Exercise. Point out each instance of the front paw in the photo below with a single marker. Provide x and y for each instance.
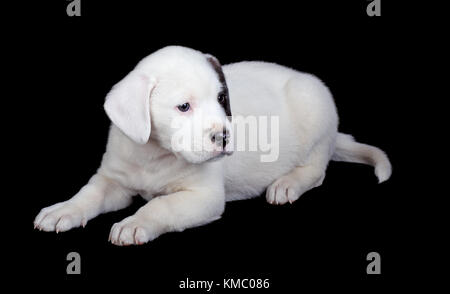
(59, 217)
(133, 230)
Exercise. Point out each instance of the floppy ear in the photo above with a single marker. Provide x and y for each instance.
(128, 106)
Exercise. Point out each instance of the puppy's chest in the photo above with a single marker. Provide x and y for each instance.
(157, 179)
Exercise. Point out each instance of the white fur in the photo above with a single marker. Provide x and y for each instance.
(187, 188)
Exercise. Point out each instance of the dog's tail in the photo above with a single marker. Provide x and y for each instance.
(347, 149)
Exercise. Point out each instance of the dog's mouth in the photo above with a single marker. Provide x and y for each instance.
(219, 156)
(228, 153)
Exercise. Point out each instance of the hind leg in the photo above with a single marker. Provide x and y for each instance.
(292, 185)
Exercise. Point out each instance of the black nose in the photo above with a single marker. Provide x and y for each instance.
(221, 138)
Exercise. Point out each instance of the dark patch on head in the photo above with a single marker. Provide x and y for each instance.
(224, 91)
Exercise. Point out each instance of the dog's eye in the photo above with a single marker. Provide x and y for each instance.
(221, 98)
(184, 107)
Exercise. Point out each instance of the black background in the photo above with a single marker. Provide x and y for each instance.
(322, 239)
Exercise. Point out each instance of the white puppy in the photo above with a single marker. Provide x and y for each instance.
(187, 187)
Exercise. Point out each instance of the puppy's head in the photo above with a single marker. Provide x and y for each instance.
(177, 97)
